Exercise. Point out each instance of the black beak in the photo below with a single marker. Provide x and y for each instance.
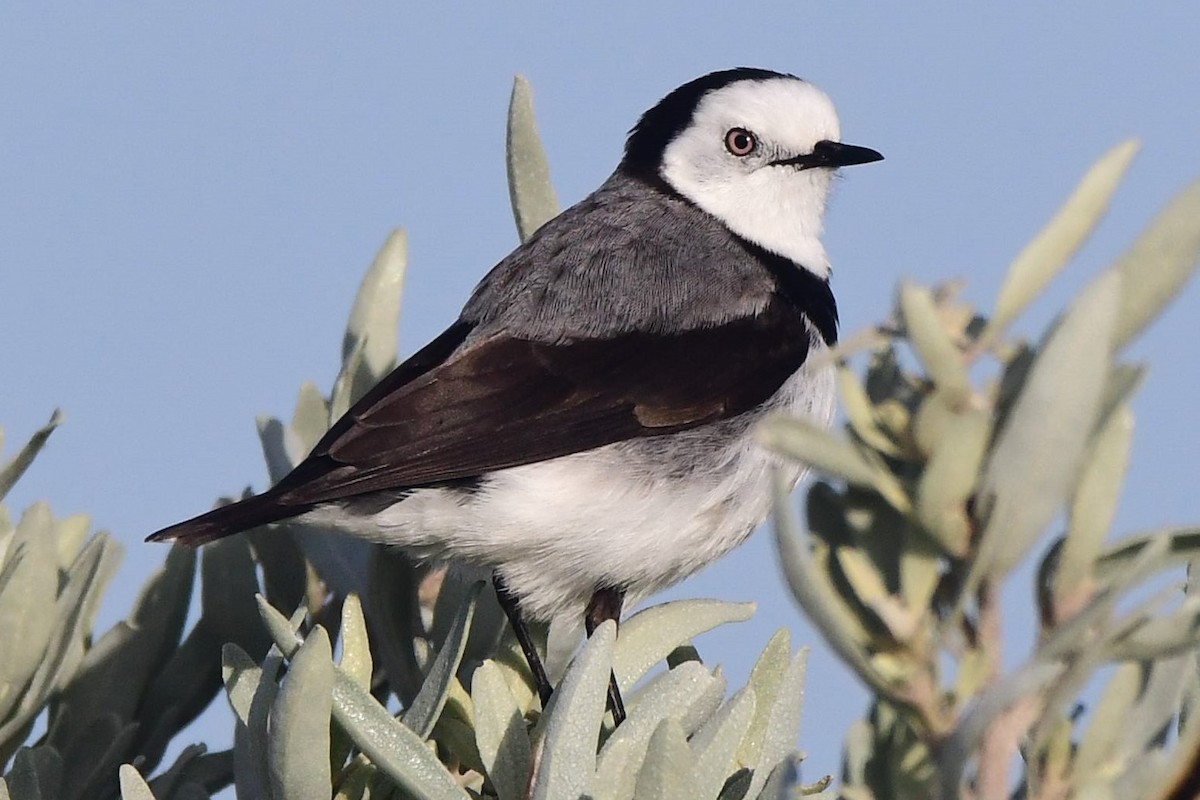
(832, 155)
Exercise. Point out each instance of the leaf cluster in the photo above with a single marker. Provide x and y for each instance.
(965, 449)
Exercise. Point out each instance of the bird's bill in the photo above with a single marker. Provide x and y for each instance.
(832, 155)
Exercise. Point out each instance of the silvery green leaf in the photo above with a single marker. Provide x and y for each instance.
(949, 479)
(251, 770)
(568, 757)
(500, 732)
(666, 774)
(815, 593)
(1095, 502)
(817, 447)
(36, 774)
(71, 533)
(356, 646)
(529, 187)
(352, 382)
(427, 705)
(650, 635)
(310, 419)
(717, 742)
(133, 785)
(930, 339)
(671, 694)
(766, 678)
(74, 611)
(376, 311)
(1050, 251)
(298, 749)
(12, 471)
(1108, 718)
(1182, 547)
(1123, 382)
(27, 603)
(282, 449)
(782, 718)
(860, 412)
(114, 674)
(1173, 634)
(1159, 264)
(1037, 454)
(1158, 703)
(241, 676)
(392, 746)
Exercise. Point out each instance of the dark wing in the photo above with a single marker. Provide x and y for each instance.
(503, 402)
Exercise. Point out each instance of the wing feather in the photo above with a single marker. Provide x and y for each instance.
(502, 402)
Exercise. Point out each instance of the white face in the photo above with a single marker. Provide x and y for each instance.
(779, 207)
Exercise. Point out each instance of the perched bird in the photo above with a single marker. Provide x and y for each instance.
(585, 429)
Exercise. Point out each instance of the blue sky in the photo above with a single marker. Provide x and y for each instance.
(189, 196)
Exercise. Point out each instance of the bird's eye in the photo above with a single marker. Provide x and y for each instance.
(740, 142)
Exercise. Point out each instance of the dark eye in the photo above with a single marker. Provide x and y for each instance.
(740, 142)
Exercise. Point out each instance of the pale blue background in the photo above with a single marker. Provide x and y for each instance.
(189, 195)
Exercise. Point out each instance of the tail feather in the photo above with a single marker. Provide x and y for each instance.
(228, 520)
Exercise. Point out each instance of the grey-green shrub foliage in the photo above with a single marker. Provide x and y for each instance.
(937, 490)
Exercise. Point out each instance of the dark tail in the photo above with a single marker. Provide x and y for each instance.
(228, 520)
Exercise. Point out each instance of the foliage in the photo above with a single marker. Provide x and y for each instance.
(393, 679)
(941, 487)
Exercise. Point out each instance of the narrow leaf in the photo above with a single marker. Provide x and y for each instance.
(376, 311)
(12, 471)
(529, 187)
(133, 785)
(310, 420)
(1036, 457)
(427, 705)
(298, 750)
(782, 720)
(500, 732)
(1049, 252)
(356, 646)
(716, 744)
(650, 635)
(1159, 264)
(568, 759)
(672, 694)
(666, 774)
(949, 479)
(1095, 502)
(1108, 718)
(811, 444)
(932, 341)
(392, 746)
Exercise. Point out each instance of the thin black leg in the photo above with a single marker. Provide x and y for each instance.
(606, 604)
(512, 609)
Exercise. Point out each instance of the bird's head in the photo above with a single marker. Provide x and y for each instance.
(754, 148)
